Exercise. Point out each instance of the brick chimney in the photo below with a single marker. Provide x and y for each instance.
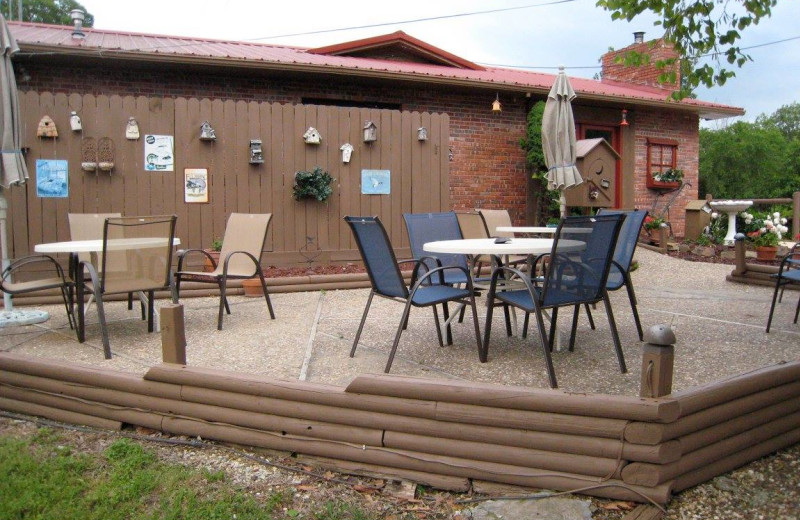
(645, 74)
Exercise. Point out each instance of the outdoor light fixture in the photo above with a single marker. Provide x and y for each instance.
(624, 121)
(496, 104)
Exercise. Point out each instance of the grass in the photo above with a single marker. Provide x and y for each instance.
(42, 477)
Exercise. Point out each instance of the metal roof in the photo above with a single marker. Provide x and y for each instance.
(36, 38)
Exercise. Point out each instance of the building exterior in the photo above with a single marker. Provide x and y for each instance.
(478, 163)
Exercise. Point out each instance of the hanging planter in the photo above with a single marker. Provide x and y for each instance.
(315, 184)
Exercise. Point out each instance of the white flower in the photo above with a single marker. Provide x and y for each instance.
(777, 215)
(784, 221)
(762, 230)
(714, 214)
(748, 220)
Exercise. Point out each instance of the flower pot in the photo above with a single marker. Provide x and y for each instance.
(208, 267)
(766, 252)
(252, 288)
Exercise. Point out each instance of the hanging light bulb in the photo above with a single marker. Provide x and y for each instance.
(496, 104)
(624, 121)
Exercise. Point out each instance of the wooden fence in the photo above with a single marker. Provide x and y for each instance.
(441, 433)
(305, 231)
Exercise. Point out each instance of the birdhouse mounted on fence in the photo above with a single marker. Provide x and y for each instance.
(422, 134)
(312, 136)
(207, 133)
(132, 129)
(75, 122)
(370, 132)
(256, 152)
(47, 128)
(597, 162)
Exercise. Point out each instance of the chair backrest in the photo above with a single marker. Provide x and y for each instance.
(144, 245)
(471, 225)
(626, 244)
(494, 218)
(431, 227)
(243, 232)
(88, 226)
(579, 274)
(378, 256)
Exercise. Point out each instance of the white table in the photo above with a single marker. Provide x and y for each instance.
(539, 230)
(74, 247)
(515, 246)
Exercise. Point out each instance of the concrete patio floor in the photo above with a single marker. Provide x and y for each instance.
(719, 327)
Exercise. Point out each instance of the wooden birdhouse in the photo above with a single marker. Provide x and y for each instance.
(597, 162)
(370, 132)
(46, 128)
(312, 136)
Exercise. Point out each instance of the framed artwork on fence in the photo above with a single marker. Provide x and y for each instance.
(195, 185)
(52, 178)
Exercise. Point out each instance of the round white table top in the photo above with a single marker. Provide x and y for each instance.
(96, 246)
(487, 246)
(527, 229)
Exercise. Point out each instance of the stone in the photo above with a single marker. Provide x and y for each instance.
(557, 508)
(728, 255)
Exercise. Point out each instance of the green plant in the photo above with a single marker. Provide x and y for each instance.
(216, 244)
(315, 184)
(651, 223)
(668, 175)
(765, 230)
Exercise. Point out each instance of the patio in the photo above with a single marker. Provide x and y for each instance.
(719, 327)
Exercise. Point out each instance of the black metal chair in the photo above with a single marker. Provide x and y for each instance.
(53, 280)
(573, 277)
(788, 273)
(428, 287)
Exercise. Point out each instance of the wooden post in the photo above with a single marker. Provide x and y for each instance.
(795, 214)
(658, 355)
(173, 334)
(739, 250)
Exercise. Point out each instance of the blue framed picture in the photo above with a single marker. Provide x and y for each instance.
(52, 178)
(376, 182)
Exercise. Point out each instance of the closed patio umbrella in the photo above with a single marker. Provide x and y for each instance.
(558, 138)
(12, 167)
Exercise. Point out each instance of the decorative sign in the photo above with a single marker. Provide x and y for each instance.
(376, 182)
(195, 185)
(159, 153)
(52, 178)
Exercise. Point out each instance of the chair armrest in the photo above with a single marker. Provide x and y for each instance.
(27, 260)
(183, 253)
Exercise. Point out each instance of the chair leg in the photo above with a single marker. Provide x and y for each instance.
(446, 317)
(481, 354)
(772, 306)
(574, 330)
(614, 334)
(797, 311)
(553, 331)
(507, 315)
(589, 315)
(632, 299)
(406, 312)
(223, 302)
(435, 319)
(150, 310)
(101, 317)
(461, 313)
(66, 294)
(525, 324)
(266, 295)
(130, 301)
(547, 346)
(487, 328)
(361, 325)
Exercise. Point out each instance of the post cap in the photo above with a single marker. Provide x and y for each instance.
(661, 335)
(739, 237)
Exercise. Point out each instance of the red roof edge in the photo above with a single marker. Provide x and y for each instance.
(386, 40)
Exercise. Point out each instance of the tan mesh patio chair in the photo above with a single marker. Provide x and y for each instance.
(143, 245)
(53, 279)
(239, 259)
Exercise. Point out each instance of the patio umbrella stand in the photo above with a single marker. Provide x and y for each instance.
(12, 169)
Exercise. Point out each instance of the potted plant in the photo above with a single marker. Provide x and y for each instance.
(669, 178)
(315, 184)
(652, 226)
(213, 251)
(768, 236)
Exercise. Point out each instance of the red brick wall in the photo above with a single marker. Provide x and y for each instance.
(645, 74)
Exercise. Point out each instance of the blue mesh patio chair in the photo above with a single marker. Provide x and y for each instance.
(788, 273)
(574, 276)
(427, 289)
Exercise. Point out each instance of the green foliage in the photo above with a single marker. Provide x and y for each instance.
(216, 244)
(651, 223)
(315, 184)
(546, 200)
(669, 175)
(696, 29)
(786, 120)
(46, 11)
(745, 161)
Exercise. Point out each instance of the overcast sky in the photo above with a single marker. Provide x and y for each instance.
(571, 33)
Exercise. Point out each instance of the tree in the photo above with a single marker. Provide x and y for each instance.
(698, 29)
(45, 11)
(786, 119)
(545, 204)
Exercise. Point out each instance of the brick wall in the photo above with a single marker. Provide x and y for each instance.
(488, 165)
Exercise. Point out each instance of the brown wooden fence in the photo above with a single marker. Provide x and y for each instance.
(305, 231)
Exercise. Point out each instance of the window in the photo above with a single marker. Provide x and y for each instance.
(662, 155)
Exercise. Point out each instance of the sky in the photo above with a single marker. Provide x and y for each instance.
(538, 37)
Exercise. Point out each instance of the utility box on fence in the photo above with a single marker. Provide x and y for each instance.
(698, 216)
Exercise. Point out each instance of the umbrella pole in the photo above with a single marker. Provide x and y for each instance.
(562, 200)
(9, 316)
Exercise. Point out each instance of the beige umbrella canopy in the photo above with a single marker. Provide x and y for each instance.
(12, 167)
(558, 138)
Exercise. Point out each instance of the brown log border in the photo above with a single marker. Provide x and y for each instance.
(446, 434)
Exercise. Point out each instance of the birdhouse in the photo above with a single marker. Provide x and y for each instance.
(46, 128)
(422, 134)
(347, 151)
(597, 162)
(312, 136)
(75, 122)
(370, 132)
(207, 133)
(256, 152)
(132, 129)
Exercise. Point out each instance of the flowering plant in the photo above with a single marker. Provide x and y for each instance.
(651, 223)
(770, 232)
(668, 175)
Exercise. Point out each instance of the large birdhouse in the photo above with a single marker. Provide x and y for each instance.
(597, 162)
